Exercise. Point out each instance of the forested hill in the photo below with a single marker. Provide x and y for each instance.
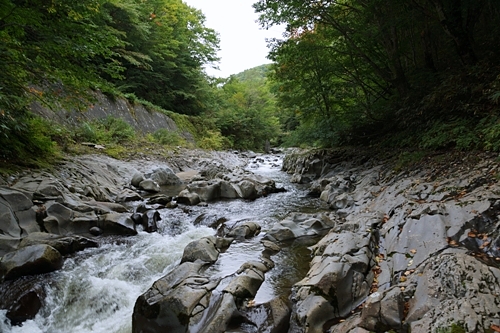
(405, 74)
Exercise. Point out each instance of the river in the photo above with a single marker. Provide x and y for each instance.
(96, 289)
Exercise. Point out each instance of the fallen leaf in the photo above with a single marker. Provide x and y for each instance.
(471, 234)
(495, 328)
(485, 244)
(402, 279)
(413, 251)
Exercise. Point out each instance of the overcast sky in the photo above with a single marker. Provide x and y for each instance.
(242, 41)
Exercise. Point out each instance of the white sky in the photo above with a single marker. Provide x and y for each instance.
(242, 40)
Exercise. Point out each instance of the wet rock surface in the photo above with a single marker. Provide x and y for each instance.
(414, 251)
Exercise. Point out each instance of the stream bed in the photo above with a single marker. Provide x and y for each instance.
(96, 289)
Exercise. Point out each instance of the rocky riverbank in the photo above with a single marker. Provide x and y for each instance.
(412, 251)
(411, 248)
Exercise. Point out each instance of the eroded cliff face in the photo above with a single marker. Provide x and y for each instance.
(136, 115)
(412, 251)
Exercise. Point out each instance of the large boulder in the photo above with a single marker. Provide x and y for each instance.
(149, 185)
(164, 176)
(204, 249)
(244, 230)
(17, 218)
(150, 220)
(269, 317)
(247, 283)
(30, 260)
(117, 224)
(188, 198)
(173, 300)
(22, 299)
(62, 220)
(339, 279)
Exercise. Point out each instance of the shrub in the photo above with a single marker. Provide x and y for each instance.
(168, 138)
(105, 131)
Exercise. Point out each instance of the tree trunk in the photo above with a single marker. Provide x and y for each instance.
(453, 24)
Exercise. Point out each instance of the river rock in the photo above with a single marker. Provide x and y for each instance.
(62, 220)
(64, 244)
(160, 199)
(188, 198)
(117, 224)
(127, 195)
(22, 299)
(137, 178)
(30, 260)
(149, 185)
(164, 176)
(269, 317)
(17, 218)
(244, 230)
(204, 250)
(169, 304)
(297, 225)
(339, 279)
(222, 183)
(150, 220)
(247, 283)
(107, 207)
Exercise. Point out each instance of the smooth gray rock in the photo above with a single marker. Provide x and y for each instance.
(150, 220)
(204, 249)
(17, 218)
(64, 244)
(244, 230)
(172, 301)
(221, 313)
(188, 198)
(30, 260)
(127, 195)
(137, 178)
(269, 317)
(164, 176)
(117, 224)
(297, 225)
(149, 185)
(247, 284)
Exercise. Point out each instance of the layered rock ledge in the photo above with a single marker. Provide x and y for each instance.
(412, 251)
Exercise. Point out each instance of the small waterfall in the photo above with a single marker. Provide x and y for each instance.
(96, 289)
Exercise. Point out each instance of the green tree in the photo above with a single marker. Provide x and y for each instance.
(246, 112)
(47, 53)
(175, 44)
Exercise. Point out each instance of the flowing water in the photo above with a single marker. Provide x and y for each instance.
(96, 289)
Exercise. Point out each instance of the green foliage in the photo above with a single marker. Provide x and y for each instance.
(366, 72)
(214, 140)
(456, 133)
(168, 138)
(56, 52)
(453, 328)
(408, 158)
(489, 128)
(105, 131)
(246, 114)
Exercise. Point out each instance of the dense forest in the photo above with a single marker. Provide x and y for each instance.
(400, 73)
(419, 74)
